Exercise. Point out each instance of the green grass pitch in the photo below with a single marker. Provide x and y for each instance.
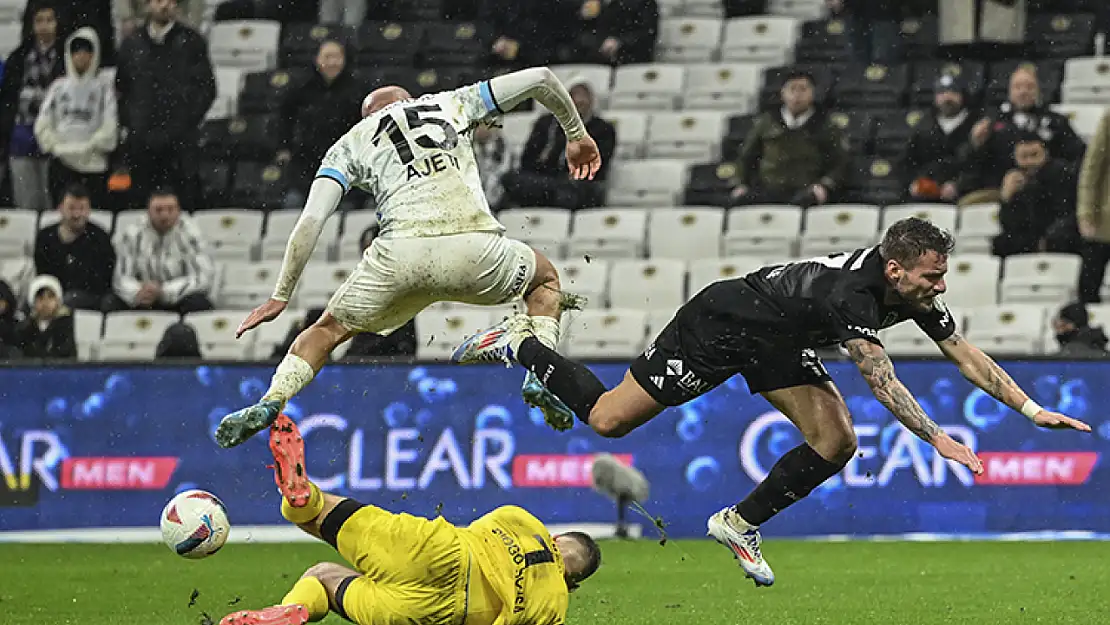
(640, 583)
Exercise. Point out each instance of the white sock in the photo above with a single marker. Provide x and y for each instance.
(546, 330)
(292, 375)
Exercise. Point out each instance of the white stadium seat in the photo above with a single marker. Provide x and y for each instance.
(320, 281)
(279, 225)
(686, 135)
(1086, 80)
(248, 284)
(232, 233)
(685, 232)
(545, 229)
(125, 220)
(647, 284)
(763, 39)
(1007, 329)
(703, 8)
(229, 82)
(838, 227)
(1039, 278)
(613, 333)
(600, 78)
(251, 45)
(687, 40)
(1084, 118)
(730, 87)
(906, 339)
(216, 334)
(657, 320)
(647, 86)
(439, 332)
(133, 335)
(707, 271)
(972, 280)
(270, 335)
(354, 224)
(631, 128)
(88, 326)
(608, 233)
(589, 279)
(17, 232)
(10, 37)
(943, 215)
(978, 225)
(802, 9)
(647, 183)
(766, 230)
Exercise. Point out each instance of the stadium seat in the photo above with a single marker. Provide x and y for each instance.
(906, 339)
(88, 326)
(248, 284)
(18, 229)
(265, 92)
(279, 225)
(738, 128)
(545, 229)
(688, 40)
(631, 128)
(133, 335)
(893, 130)
(685, 135)
(599, 76)
(300, 42)
(1098, 314)
(319, 282)
(709, 270)
(670, 8)
(438, 333)
(1060, 36)
(610, 232)
(454, 44)
(702, 8)
(613, 333)
(857, 126)
(978, 225)
(656, 321)
(876, 180)
(269, 336)
(18, 272)
(260, 185)
(216, 334)
(710, 184)
(872, 87)
(588, 278)
(647, 86)
(1086, 80)
(647, 284)
(763, 39)
(920, 37)
(768, 231)
(646, 183)
(1084, 118)
(731, 87)
(1007, 329)
(839, 227)
(124, 220)
(215, 182)
(801, 9)
(824, 41)
(943, 215)
(686, 232)
(232, 233)
(516, 128)
(1039, 278)
(926, 73)
(354, 224)
(229, 82)
(10, 37)
(248, 44)
(972, 280)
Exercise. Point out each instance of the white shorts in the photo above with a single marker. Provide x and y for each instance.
(398, 278)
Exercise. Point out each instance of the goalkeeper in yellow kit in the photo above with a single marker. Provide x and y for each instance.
(503, 569)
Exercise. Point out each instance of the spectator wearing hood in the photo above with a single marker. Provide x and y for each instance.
(47, 332)
(315, 116)
(166, 86)
(1093, 212)
(616, 32)
(939, 143)
(1075, 335)
(28, 73)
(542, 179)
(1038, 202)
(77, 125)
(993, 138)
(78, 252)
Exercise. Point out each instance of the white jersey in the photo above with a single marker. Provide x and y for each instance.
(415, 157)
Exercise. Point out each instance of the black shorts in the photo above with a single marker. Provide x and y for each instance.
(715, 336)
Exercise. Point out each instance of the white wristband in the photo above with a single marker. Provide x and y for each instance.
(1030, 408)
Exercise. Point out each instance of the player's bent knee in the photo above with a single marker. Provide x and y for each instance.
(327, 572)
(837, 445)
(610, 423)
(545, 274)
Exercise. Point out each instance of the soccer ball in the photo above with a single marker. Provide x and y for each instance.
(194, 524)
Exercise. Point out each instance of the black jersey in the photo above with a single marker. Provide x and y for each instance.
(823, 301)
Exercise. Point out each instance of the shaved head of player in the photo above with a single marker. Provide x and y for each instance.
(383, 97)
(766, 327)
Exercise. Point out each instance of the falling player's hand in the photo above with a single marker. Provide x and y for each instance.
(1057, 421)
(583, 159)
(953, 450)
(266, 312)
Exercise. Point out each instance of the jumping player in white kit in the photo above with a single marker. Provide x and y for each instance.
(439, 241)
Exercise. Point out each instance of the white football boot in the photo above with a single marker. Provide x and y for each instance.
(743, 540)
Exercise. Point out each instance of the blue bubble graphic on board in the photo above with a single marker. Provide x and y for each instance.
(1104, 430)
(690, 427)
(204, 375)
(93, 406)
(434, 390)
(56, 408)
(944, 394)
(578, 445)
(1073, 399)
(117, 386)
(396, 414)
(417, 374)
(982, 411)
(424, 417)
(493, 416)
(702, 473)
(782, 438)
(252, 389)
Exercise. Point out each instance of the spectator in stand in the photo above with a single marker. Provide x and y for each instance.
(315, 116)
(795, 155)
(1075, 335)
(77, 252)
(8, 308)
(163, 261)
(347, 12)
(616, 32)
(47, 332)
(938, 143)
(494, 161)
(129, 14)
(77, 125)
(28, 72)
(993, 138)
(1038, 202)
(165, 86)
(1093, 212)
(542, 179)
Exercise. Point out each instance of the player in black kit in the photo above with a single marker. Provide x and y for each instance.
(765, 327)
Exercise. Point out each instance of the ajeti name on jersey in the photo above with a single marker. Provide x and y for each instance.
(416, 158)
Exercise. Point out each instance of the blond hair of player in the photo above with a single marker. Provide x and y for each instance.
(503, 569)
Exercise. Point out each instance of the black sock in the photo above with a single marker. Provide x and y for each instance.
(793, 477)
(570, 381)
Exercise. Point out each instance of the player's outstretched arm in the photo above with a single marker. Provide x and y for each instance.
(982, 371)
(878, 370)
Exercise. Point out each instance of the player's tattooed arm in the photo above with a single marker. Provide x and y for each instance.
(982, 371)
(878, 370)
